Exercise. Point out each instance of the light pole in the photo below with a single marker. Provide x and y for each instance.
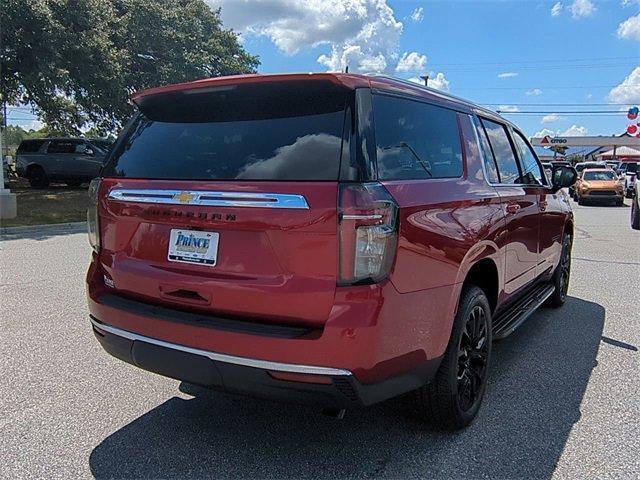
(8, 207)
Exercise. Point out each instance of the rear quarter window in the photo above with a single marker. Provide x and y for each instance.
(415, 140)
(30, 146)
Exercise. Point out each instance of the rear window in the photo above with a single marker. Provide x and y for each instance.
(415, 140)
(270, 132)
(30, 146)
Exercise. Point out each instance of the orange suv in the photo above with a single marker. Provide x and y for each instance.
(599, 184)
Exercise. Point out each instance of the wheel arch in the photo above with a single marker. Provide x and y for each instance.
(484, 274)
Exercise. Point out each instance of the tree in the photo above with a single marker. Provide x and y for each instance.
(76, 61)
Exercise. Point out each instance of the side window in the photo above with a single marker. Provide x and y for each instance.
(503, 153)
(415, 140)
(80, 147)
(61, 146)
(490, 167)
(531, 171)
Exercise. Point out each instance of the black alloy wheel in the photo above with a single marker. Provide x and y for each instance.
(473, 353)
(561, 275)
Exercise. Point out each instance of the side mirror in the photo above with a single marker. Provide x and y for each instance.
(563, 176)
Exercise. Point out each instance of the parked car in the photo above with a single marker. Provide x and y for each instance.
(613, 165)
(630, 175)
(635, 206)
(579, 168)
(66, 160)
(330, 239)
(599, 185)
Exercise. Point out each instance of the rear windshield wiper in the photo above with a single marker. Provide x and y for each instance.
(426, 166)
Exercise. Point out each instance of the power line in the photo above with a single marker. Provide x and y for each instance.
(563, 87)
(520, 62)
(556, 104)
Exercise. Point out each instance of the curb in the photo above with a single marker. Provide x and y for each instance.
(41, 228)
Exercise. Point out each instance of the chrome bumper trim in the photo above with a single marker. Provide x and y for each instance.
(210, 198)
(221, 357)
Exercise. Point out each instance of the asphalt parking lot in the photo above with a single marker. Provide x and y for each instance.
(562, 400)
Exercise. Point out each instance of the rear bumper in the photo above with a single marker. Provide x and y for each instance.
(317, 385)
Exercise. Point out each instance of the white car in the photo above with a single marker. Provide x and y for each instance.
(630, 179)
(635, 206)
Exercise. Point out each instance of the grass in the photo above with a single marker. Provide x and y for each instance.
(56, 204)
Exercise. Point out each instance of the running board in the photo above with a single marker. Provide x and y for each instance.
(514, 316)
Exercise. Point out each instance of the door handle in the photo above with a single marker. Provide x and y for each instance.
(513, 208)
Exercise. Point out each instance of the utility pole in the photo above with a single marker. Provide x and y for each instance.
(7, 199)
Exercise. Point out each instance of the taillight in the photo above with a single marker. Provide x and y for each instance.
(93, 226)
(368, 230)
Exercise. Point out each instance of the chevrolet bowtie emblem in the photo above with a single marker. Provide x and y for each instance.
(184, 197)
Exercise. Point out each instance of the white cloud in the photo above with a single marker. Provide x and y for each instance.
(535, 92)
(34, 124)
(556, 9)
(544, 132)
(582, 8)
(628, 91)
(411, 62)
(507, 74)
(572, 131)
(508, 108)
(417, 15)
(363, 34)
(630, 28)
(437, 81)
(575, 131)
(552, 117)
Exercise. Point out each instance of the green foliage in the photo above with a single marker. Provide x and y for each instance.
(77, 61)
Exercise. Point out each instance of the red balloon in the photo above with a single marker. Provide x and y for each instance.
(631, 129)
(632, 116)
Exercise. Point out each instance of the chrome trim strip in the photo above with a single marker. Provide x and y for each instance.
(362, 217)
(210, 198)
(221, 357)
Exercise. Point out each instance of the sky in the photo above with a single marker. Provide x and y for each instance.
(514, 56)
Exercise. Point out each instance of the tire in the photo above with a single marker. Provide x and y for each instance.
(464, 369)
(561, 275)
(37, 177)
(635, 213)
(580, 201)
(619, 203)
(628, 194)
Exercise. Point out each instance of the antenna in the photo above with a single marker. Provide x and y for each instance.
(426, 79)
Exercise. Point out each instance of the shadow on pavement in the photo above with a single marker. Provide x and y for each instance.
(539, 377)
(42, 232)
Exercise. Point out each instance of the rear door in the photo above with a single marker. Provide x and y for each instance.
(520, 201)
(552, 212)
(61, 156)
(226, 201)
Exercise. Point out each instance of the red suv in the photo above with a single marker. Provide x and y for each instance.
(332, 239)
